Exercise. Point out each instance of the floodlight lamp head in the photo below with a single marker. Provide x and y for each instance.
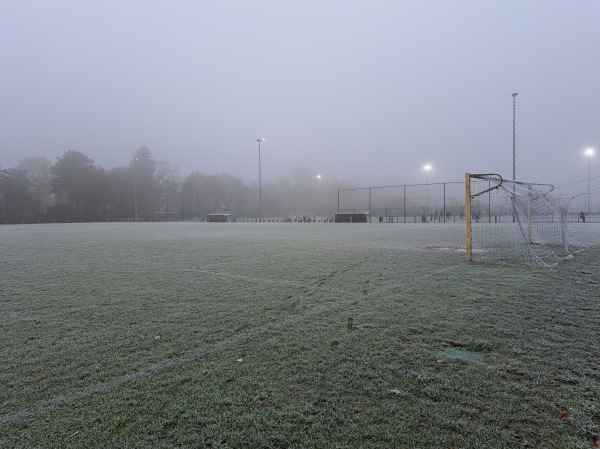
(515, 94)
(427, 167)
(260, 139)
(589, 152)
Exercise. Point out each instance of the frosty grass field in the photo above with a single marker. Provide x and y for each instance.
(239, 335)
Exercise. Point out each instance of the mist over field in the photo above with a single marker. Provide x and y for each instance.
(360, 93)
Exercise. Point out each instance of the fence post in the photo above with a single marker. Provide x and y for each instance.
(369, 204)
(444, 202)
(404, 204)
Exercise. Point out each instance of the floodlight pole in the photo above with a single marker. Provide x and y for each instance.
(514, 171)
(427, 189)
(135, 187)
(589, 191)
(259, 183)
(589, 153)
(514, 175)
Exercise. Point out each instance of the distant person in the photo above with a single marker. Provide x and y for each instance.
(582, 216)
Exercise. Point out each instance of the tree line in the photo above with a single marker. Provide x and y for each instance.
(74, 188)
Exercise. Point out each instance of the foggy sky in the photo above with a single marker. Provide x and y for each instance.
(366, 91)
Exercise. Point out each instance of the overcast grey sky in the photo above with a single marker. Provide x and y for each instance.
(368, 91)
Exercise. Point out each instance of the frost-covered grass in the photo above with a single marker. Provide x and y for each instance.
(291, 335)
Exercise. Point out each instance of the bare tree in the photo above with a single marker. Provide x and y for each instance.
(38, 173)
(15, 193)
(168, 178)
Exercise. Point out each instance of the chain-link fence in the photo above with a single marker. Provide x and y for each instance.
(409, 203)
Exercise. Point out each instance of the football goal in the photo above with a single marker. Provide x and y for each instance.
(508, 219)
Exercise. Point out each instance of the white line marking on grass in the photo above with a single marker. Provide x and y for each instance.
(199, 352)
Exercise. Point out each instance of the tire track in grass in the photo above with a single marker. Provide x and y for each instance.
(344, 299)
(167, 364)
(399, 285)
(313, 287)
(270, 282)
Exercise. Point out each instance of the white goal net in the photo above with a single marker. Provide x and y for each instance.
(508, 219)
